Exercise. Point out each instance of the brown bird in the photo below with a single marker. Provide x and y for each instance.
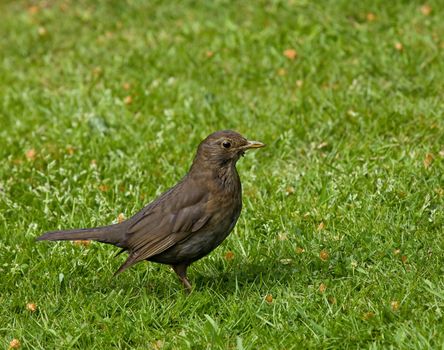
(189, 220)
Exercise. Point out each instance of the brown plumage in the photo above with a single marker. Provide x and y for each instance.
(189, 220)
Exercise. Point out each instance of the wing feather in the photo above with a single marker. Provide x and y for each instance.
(172, 218)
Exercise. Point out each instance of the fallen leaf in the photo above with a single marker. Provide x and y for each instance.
(404, 259)
(289, 190)
(269, 298)
(31, 307)
(426, 10)
(104, 188)
(368, 315)
(14, 344)
(83, 242)
(120, 218)
(209, 54)
(229, 255)
(399, 46)
(290, 54)
(428, 160)
(281, 72)
(394, 305)
(321, 226)
(299, 250)
(322, 288)
(33, 9)
(128, 100)
(126, 86)
(324, 255)
(371, 17)
(31, 154)
(42, 31)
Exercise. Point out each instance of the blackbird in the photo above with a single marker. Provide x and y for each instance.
(186, 222)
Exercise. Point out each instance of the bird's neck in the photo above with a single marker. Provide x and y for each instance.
(224, 175)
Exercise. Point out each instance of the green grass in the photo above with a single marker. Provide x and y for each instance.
(348, 125)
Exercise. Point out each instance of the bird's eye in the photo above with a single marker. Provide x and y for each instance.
(226, 144)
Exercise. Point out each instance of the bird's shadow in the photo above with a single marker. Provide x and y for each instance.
(244, 276)
(225, 281)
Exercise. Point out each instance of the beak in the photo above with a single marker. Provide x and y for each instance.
(254, 144)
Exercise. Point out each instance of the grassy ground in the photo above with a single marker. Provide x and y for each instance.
(340, 243)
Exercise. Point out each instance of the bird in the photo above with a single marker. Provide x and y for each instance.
(186, 222)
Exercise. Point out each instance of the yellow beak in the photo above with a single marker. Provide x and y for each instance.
(254, 144)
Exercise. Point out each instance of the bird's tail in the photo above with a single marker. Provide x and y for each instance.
(113, 234)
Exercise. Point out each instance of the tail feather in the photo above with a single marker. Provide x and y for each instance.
(113, 234)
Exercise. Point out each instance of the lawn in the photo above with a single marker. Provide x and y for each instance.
(340, 244)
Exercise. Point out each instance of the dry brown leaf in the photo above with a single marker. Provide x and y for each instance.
(399, 46)
(289, 190)
(394, 305)
(404, 259)
(428, 160)
(290, 54)
(209, 54)
(299, 250)
(126, 86)
(269, 298)
(368, 315)
(83, 242)
(426, 10)
(371, 17)
(104, 188)
(31, 154)
(128, 100)
(31, 307)
(120, 218)
(42, 31)
(324, 255)
(281, 72)
(322, 288)
(14, 344)
(33, 9)
(229, 255)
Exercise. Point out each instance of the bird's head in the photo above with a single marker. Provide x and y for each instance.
(224, 147)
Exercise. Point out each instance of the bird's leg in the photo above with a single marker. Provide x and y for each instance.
(181, 271)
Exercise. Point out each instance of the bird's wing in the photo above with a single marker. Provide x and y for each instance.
(165, 222)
